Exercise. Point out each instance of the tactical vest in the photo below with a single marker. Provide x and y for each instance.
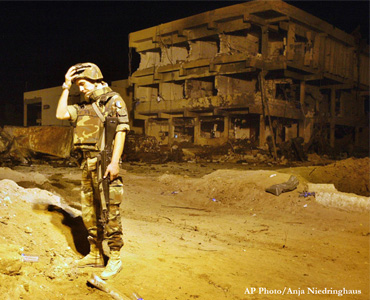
(88, 133)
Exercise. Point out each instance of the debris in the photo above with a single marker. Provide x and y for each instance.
(293, 149)
(305, 205)
(54, 140)
(306, 194)
(183, 207)
(175, 153)
(144, 148)
(328, 195)
(24, 145)
(272, 175)
(10, 152)
(136, 296)
(28, 230)
(29, 258)
(321, 187)
(5, 141)
(189, 153)
(167, 218)
(99, 283)
(312, 171)
(174, 192)
(288, 186)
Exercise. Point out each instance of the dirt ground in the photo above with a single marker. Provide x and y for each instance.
(191, 231)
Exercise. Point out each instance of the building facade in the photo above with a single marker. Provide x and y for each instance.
(249, 71)
(39, 106)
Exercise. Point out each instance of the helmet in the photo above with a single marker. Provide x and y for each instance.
(88, 71)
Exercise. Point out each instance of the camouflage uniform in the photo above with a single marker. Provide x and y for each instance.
(89, 137)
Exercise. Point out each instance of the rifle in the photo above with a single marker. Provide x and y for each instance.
(103, 160)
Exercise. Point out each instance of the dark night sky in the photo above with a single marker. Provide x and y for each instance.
(41, 40)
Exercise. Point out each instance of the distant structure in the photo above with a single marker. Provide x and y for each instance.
(39, 106)
(248, 71)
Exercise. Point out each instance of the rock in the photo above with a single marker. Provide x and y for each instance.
(249, 158)
(28, 230)
(255, 152)
(188, 153)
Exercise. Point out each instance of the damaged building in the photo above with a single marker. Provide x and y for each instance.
(250, 71)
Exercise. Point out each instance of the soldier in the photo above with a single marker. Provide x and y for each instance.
(89, 136)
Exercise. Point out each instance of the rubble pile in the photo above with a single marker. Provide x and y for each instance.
(142, 148)
(349, 175)
(237, 152)
(29, 145)
(36, 254)
(11, 152)
(244, 151)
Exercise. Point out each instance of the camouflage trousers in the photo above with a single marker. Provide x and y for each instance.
(112, 232)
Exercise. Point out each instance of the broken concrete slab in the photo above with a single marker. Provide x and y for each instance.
(328, 195)
(321, 187)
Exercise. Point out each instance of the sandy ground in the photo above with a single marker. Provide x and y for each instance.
(193, 231)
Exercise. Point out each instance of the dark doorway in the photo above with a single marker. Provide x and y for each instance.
(34, 114)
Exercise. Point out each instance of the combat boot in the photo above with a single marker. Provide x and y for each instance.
(113, 267)
(93, 259)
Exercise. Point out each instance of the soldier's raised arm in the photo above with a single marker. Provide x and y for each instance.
(62, 112)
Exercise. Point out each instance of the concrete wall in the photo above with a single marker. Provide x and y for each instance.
(235, 43)
(49, 101)
(149, 59)
(126, 91)
(159, 129)
(202, 49)
(232, 85)
(173, 55)
(171, 91)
